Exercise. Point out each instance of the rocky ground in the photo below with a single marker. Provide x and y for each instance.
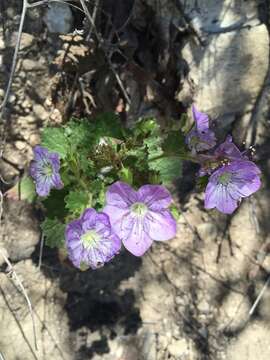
(188, 299)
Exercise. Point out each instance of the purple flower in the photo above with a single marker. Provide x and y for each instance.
(229, 151)
(44, 169)
(90, 240)
(140, 217)
(230, 183)
(223, 154)
(200, 138)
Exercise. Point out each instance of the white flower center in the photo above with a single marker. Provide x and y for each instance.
(139, 209)
(47, 169)
(90, 239)
(225, 178)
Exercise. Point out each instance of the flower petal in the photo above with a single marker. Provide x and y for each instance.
(73, 231)
(43, 185)
(116, 216)
(40, 153)
(103, 225)
(120, 195)
(201, 119)
(54, 160)
(56, 181)
(218, 195)
(229, 150)
(225, 203)
(137, 241)
(88, 219)
(162, 225)
(156, 197)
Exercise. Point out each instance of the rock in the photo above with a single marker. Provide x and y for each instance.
(31, 65)
(183, 349)
(51, 320)
(27, 40)
(34, 139)
(14, 156)
(56, 116)
(20, 145)
(228, 60)
(244, 242)
(263, 306)
(59, 18)
(266, 263)
(12, 98)
(148, 307)
(207, 231)
(23, 120)
(22, 229)
(252, 342)
(217, 16)
(40, 112)
(148, 347)
(234, 312)
(8, 172)
(4, 252)
(26, 104)
(2, 43)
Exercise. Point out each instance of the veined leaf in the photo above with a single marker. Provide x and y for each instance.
(169, 168)
(54, 140)
(54, 232)
(78, 201)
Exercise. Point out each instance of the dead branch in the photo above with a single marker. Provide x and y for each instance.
(101, 42)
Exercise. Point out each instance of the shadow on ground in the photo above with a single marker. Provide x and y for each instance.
(95, 301)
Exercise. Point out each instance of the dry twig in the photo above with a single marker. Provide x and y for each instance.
(251, 311)
(22, 288)
(101, 42)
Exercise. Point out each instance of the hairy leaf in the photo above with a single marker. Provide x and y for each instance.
(78, 201)
(55, 204)
(169, 168)
(23, 190)
(54, 232)
(108, 125)
(174, 144)
(54, 139)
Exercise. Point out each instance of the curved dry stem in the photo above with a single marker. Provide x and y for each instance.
(20, 284)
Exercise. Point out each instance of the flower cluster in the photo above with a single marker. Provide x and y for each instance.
(134, 218)
(97, 213)
(232, 175)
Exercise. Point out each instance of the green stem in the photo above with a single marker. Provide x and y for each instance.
(187, 157)
(76, 171)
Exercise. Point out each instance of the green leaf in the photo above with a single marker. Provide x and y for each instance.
(27, 189)
(153, 146)
(54, 232)
(78, 201)
(174, 144)
(86, 164)
(55, 203)
(169, 168)
(80, 134)
(108, 125)
(146, 127)
(54, 139)
(202, 182)
(24, 190)
(175, 211)
(126, 175)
